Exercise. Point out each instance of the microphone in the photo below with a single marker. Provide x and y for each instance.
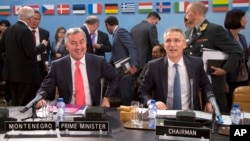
(192, 93)
(38, 97)
(211, 98)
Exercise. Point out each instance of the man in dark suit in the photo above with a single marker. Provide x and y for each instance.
(145, 37)
(42, 58)
(209, 35)
(89, 27)
(93, 68)
(21, 69)
(160, 74)
(101, 43)
(123, 46)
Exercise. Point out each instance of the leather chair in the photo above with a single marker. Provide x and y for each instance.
(241, 96)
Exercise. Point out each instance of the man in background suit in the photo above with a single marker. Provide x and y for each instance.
(42, 58)
(122, 47)
(101, 43)
(209, 35)
(89, 27)
(160, 74)
(145, 37)
(21, 68)
(93, 68)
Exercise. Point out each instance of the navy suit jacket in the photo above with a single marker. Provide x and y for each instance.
(156, 79)
(103, 39)
(123, 46)
(60, 76)
(89, 41)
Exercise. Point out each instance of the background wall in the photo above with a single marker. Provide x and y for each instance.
(51, 22)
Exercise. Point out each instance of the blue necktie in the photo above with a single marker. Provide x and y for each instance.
(177, 90)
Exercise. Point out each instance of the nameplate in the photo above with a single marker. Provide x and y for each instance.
(239, 132)
(84, 126)
(180, 133)
(25, 126)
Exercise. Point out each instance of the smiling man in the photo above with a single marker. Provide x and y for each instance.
(161, 73)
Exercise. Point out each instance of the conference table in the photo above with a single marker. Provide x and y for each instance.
(117, 131)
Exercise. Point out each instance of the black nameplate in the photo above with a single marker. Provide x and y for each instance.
(25, 126)
(84, 126)
(187, 132)
(238, 132)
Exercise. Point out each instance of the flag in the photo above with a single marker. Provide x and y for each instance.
(241, 4)
(95, 8)
(128, 7)
(16, 8)
(79, 9)
(145, 7)
(34, 6)
(180, 6)
(4, 10)
(111, 8)
(220, 5)
(163, 7)
(63, 9)
(205, 2)
(48, 9)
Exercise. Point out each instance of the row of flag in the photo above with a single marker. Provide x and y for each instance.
(112, 8)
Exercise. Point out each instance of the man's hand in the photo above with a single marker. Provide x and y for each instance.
(160, 105)
(209, 108)
(218, 71)
(40, 103)
(132, 70)
(45, 42)
(105, 102)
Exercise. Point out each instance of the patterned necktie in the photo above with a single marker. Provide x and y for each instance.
(79, 86)
(93, 40)
(177, 90)
(34, 36)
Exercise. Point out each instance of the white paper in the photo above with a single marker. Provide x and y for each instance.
(210, 54)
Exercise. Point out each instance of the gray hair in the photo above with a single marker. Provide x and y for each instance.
(71, 31)
(25, 13)
(92, 19)
(175, 29)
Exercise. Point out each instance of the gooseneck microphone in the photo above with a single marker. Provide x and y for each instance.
(211, 98)
(38, 97)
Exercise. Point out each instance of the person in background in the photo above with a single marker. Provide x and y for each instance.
(145, 37)
(187, 24)
(4, 24)
(122, 47)
(159, 76)
(21, 67)
(58, 49)
(235, 21)
(101, 43)
(89, 27)
(40, 34)
(92, 68)
(212, 36)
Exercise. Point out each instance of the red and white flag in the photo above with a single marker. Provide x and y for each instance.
(63, 9)
(16, 9)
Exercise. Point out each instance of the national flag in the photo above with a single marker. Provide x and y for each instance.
(128, 7)
(145, 7)
(111, 8)
(63, 9)
(34, 6)
(205, 2)
(16, 8)
(95, 8)
(241, 4)
(4, 10)
(220, 5)
(163, 7)
(180, 6)
(79, 9)
(48, 9)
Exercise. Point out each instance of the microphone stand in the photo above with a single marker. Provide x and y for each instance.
(213, 122)
(34, 115)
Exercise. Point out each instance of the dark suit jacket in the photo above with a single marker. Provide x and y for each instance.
(60, 76)
(123, 46)
(214, 36)
(145, 37)
(61, 49)
(103, 39)
(44, 35)
(21, 61)
(89, 41)
(156, 79)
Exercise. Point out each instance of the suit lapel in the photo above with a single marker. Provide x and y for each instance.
(69, 76)
(199, 33)
(164, 76)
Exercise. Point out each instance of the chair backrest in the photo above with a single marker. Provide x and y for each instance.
(241, 96)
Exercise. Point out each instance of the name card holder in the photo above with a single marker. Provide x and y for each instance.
(84, 128)
(183, 133)
(15, 129)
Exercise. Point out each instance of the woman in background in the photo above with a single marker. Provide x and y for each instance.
(235, 21)
(4, 24)
(58, 49)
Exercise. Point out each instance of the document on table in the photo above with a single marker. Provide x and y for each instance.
(211, 54)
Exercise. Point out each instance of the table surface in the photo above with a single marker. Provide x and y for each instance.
(117, 133)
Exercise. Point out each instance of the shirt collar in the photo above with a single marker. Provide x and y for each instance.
(82, 60)
(180, 63)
